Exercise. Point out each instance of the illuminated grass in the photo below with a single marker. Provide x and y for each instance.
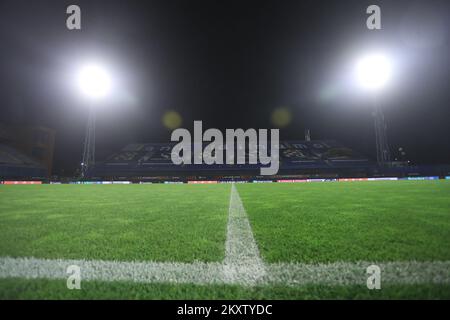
(180, 223)
(304, 223)
(350, 221)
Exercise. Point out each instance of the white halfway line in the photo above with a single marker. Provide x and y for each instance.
(242, 265)
(287, 274)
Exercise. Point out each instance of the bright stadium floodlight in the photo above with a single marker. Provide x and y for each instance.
(94, 81)
(373, 71)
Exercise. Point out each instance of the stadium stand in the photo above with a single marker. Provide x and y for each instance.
(296, 157)
(15, 164)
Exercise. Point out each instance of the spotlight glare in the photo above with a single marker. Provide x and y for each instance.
(373, 71)
(94, 81)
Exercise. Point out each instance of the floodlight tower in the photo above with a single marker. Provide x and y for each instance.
(94, 83)
(383, 153)
(374, 72)
(89, 144)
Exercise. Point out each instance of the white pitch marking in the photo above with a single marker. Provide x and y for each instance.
(287, 274)
(143, 272)
(243, 263)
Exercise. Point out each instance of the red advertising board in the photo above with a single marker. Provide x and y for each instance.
(22, 182)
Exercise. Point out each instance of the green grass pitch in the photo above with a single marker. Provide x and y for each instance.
(304, 222)
(347, 221)
(114, 222)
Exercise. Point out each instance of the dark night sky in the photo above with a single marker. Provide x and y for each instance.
(230, 64)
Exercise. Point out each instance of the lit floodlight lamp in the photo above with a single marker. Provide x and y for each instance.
(373, 71)
(94, 81)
